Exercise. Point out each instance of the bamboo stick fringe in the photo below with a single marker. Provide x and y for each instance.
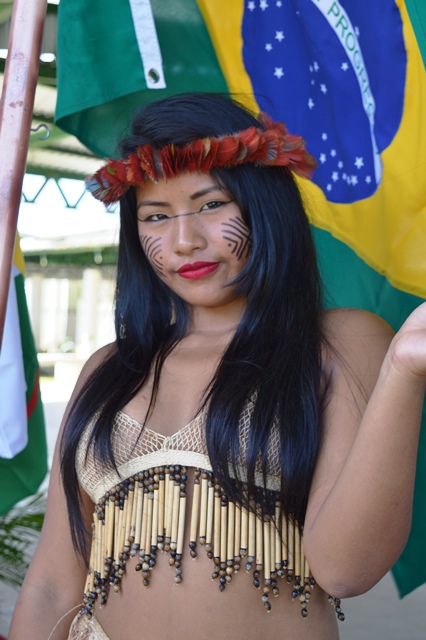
(147, 513)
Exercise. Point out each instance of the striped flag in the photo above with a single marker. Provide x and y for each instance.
(23, 450)
(348, 76)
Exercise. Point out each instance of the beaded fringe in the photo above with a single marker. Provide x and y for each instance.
(146, 514)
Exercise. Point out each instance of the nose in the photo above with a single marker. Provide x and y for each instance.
(187, 234)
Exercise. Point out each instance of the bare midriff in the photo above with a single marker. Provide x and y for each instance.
(196, 606)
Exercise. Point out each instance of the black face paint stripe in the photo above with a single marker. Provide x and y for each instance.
(153, 248)
(238, 236)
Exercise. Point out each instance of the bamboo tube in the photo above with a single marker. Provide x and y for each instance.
(284, 539)
(252, 537)
(307, 570)
(118, 514)
(272, 531)
(231, 532)
(297, 558)
(130, 501)
(237, 538)
(169, 512)
(122, 539)
(149, 521)
(223, 529)
(290, 544)
(203, 507)
(175, 520)
(266, 549)
(259, 543)
(110, 527)
(95, 527)
(244, 531)
(161, 511)
(166, 497)
(99, 562)
(154, 530)
(138, 518)
(210, 513)
(217, 520)
(278, 540)
(142, 545)
(90, 581)
(181, 528)
(194, 510)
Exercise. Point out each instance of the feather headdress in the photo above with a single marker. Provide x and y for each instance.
(273, 146)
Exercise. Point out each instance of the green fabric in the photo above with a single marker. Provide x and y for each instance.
(100, 74)
(417, 12)
(349, 282)
(22, 475)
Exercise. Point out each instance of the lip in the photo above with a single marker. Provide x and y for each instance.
(195, 270)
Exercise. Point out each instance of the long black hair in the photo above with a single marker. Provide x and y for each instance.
(275, 354)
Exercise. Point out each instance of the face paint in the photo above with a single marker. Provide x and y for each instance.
(152, 247)
(238, 235)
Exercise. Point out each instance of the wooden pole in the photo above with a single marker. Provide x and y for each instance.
(16, 109)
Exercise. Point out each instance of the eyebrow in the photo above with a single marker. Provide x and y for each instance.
(194, 196)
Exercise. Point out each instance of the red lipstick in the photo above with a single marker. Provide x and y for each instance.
(195, 270)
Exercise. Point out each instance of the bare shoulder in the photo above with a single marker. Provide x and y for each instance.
(357, 336)
(95, 360)
(354, 324)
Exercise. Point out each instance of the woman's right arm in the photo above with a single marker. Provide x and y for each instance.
(51, 594)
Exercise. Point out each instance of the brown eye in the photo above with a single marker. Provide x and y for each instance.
(214, 204)
(156, 217)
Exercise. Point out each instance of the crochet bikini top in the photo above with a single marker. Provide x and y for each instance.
(140, 509)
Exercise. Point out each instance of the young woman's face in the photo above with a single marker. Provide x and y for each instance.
(194, 236)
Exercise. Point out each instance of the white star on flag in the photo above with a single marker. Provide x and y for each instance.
(323, 158)
(311, 103)
(359, 162)
(324, 136)
(323, 88)
(344, 66)
(278, 73)
(268, 46)
(251, 6)
(333, 153)
(368, 179)
(263, 5)
(334, 176)
(279, 35)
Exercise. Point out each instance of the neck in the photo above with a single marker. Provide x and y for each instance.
(217, 321)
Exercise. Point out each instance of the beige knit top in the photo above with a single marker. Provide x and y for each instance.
(141, 510)
(137, 449)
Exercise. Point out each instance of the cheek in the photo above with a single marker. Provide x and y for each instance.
(153, 248)
(237, 236)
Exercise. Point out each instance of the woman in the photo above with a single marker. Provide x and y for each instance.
(233, 420)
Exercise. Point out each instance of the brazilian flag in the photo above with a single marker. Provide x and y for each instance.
(348, 76)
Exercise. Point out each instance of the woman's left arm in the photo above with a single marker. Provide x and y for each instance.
(360, 505)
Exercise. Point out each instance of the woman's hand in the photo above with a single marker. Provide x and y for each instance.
(407, 353)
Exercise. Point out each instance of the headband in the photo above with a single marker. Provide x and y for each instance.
(272, 146)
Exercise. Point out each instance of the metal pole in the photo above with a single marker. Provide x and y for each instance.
(16, 109)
